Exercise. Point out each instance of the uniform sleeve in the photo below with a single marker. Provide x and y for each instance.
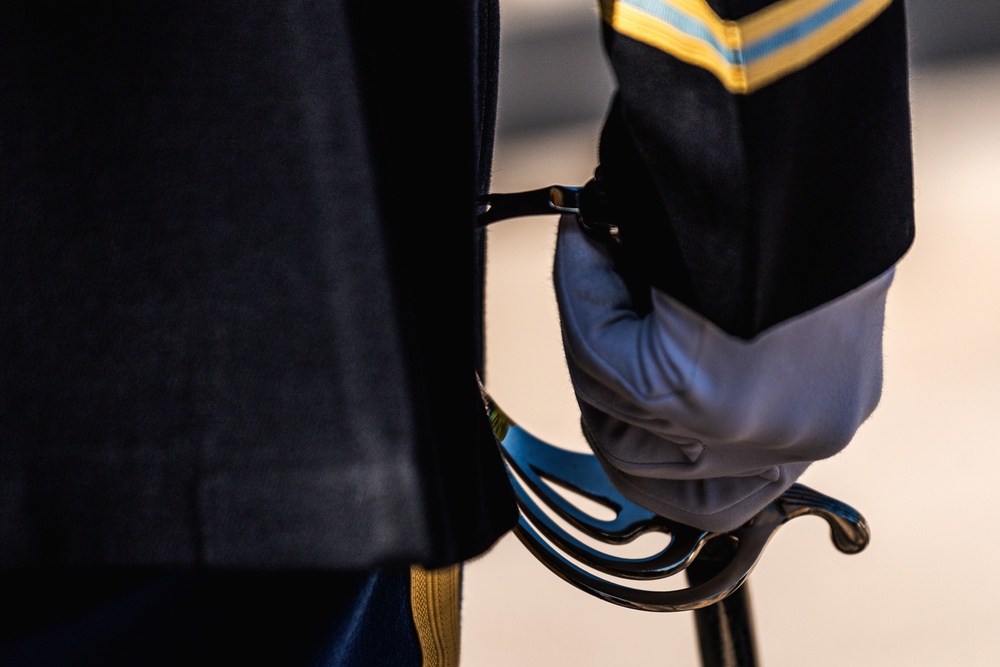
(756, 161)
(758, 153)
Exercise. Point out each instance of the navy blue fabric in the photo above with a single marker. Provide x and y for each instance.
(106, 618)
(216, 321)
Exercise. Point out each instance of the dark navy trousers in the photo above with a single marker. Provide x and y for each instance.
(115, 618)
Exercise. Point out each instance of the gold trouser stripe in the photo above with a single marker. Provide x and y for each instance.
(434, 602)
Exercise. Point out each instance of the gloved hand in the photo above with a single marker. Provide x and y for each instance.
(694, 424)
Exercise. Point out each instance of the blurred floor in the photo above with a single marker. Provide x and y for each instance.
(923, 469)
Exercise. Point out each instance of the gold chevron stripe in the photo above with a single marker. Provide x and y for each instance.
(798, 54)
(750, 53)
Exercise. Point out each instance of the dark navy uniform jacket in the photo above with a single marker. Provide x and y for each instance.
(240, 305)
(239, 313)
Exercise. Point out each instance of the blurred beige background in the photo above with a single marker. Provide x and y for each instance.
(924, 469)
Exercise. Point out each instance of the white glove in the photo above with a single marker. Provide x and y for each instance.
(699, 426)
